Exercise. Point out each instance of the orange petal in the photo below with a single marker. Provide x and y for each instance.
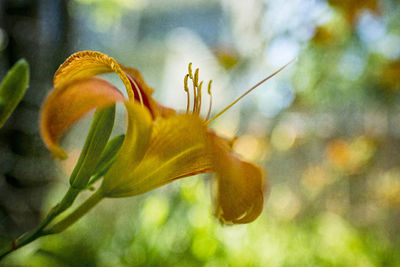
(86, 64)
(65, 105)
(177, 149)
(166, 112)
(239, 196)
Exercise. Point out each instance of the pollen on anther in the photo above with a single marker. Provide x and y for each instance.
(190, 70)
(196, 77)
(185, 82)
(209, 87)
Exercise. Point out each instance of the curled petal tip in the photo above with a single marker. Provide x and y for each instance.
(239, 194)
(86, 64)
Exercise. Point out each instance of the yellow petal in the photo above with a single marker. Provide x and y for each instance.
(134, 147)
(177, 149)
(239, 191)
(65, 105)
(87, 64)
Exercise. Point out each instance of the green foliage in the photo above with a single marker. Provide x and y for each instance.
(107, 158)
(13, 88)
(96, 142)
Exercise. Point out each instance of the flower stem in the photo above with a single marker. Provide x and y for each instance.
(95, 143)
(27, 238)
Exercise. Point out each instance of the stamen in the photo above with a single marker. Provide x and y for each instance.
(196, 89)
(194, 97)
(209, 92)
(190, 70)
(195, 81)
(186, 88)
(197, 98)
(196, 77)
(251, 89)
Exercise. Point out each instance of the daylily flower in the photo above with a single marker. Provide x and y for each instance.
(160, 145)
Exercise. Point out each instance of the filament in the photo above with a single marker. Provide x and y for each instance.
(186, 88)
(199, 97)
(194, 97)
(210, 105)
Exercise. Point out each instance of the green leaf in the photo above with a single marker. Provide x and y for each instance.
(13, 88)
(107, 158)
(95, 143)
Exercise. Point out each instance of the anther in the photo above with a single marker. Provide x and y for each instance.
(196, 77)
(200, 85)
(190, 70)
(195, 80)
(185, 82)
(186, 88)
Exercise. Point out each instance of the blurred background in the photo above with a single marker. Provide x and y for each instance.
(326, 130)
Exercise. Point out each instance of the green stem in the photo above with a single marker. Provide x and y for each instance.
(27, 238)
(60, 226)
(95, 143)
(76, 214)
